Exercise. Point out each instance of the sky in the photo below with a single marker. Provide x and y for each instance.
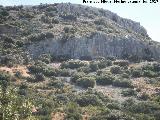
(148, 14)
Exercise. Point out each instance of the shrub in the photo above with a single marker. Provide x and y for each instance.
(76, 76)
(129, 92)
(39, 77)
(19, 43)
(104, 80)
(73, 112)
(144, 96)
(145, 107)
(136, 73)
(122, 83)
(93, 66)
(66, 29)
(55, 21)
(121, 63)
(63, 73)
(69, 17)
(156, 67)
(40, 36)
(114, 105)
(61, 58)
(115, 69)
(88, 58)
(49, 35)
(86, 82)
(125, 75)
(46, 19)
(49, 72)
(89, 99)
(74, 64)
(46, 58)
(56, 84)
(84, 69)
(100, 22)
(149, 73)
(105, 63)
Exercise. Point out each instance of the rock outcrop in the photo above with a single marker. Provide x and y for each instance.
(99, 45)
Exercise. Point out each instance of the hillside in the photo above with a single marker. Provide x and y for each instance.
(66, 61)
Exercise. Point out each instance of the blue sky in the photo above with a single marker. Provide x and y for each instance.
(147, 14)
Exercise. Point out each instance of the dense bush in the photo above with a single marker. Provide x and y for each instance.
(121, 63)
(115, 69)
(136, 72)
(76, 76)
(84, 69)
(40, 36)
(100, 22)
(46, 58)
(104, 79)
(129, 92)
(156, 67)
(73, 112)
(104, 63)
(86, 82)
(145, 107)
(56, 84)
(89, 99)
(55, 21)
(88, 58)
(69, 17)
(149, 73)
(122, 83)
(144, 96)
(93, 66)
(74, 64)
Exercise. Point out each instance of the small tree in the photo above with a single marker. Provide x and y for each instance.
(12, 106)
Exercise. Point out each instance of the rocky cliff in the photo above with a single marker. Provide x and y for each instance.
(76, 31)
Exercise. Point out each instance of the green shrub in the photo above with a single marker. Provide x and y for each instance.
(55, 21)
(156, 67)
(121, 63)
(46, 58)
(129, 92)
(144, 96)
(104, 79)
(66, 29)
(87, 58)
(93, 66)
(122, 83)
(73, 112)
(104, 63)
(145, 107)
(40, 36)
(86, 82)
(56, 84)
(73, 64)
(100, 22)
(149, 73)
(76, 76)
(125, 75)
(84, 69)
(136, 73)
(39, 77)
(114, 105)
(89, 99)
(115, 69)
(63, 73)
(69, 17)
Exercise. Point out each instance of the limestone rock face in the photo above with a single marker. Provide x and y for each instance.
(99, 45)
(124, 37)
